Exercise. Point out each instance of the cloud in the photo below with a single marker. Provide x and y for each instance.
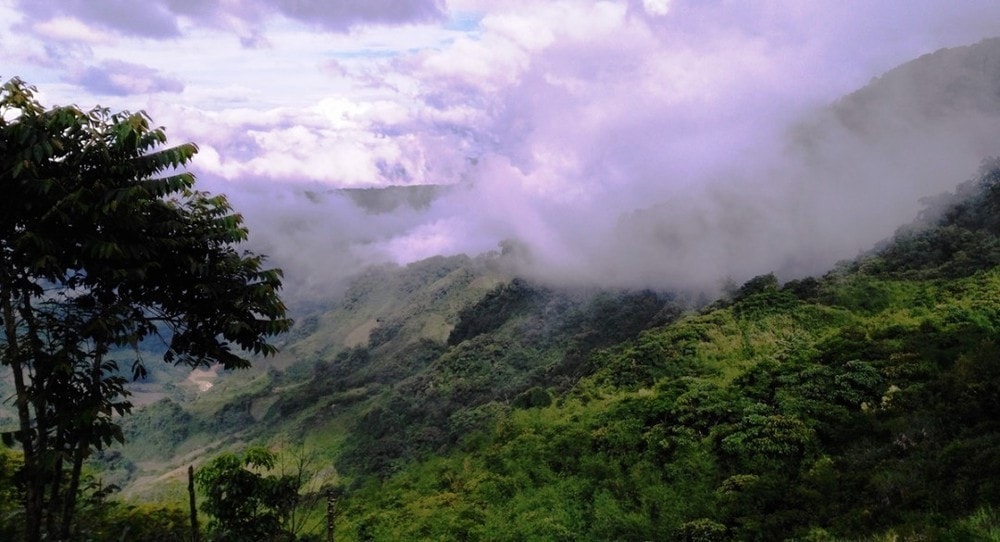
(335, 142)
(345, 14)
(630, 142)
(637, 150)
(165, 19)
(656, 7)
(321, 238)
(150, 19)
(70, 29)
(118, 78)
(620, 145)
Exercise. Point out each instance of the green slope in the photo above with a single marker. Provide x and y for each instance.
(862, 404)
(380, 380)
(414, 305)
(446, 401)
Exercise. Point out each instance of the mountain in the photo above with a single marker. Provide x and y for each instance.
(949, 85)
(451, 399)
(410, 359)
(389, 198)
(860, 403)
(840, 179)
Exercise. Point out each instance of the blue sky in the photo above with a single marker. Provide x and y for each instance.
(559, 116)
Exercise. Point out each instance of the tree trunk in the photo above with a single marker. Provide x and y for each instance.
(54, 488)
(32, 493)
(40, 371)
(81, 447)
(69, 499)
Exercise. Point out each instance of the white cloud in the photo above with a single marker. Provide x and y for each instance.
(71, 29)
(556, 118)
(656, 7)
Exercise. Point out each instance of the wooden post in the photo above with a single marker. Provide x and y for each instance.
(330, 501)
(195, 535)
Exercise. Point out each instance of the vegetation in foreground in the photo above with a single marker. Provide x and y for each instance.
(104, 243)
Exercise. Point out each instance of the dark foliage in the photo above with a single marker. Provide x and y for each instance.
(496, 308)
(957, 236)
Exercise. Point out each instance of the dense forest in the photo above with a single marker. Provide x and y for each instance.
(863, 403)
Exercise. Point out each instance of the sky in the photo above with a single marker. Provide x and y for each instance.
(625, 143)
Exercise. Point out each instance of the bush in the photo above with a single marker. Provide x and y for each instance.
(535, 397)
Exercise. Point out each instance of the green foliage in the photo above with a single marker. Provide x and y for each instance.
(535, 397)
(159, 428)
(983, 524)
(103, 243)
(104, 519)
(516, 336)
(834, 423)
(492, 311)
(245, 504)
(701, 530)
(10, 494)
(957, 236)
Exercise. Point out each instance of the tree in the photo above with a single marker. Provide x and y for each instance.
(104, 243)
(246, 505)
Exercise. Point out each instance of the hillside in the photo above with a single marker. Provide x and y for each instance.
(446, 400)
(858, 403)
(411, 359)
(452, 399)
(390, 198)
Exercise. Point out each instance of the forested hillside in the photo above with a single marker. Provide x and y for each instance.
(862, 403)
(411, 360)
(456, 403)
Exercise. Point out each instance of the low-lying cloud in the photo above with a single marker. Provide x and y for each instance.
(624, 151)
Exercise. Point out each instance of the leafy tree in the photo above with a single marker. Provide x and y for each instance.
(103, 244)
(244, 504)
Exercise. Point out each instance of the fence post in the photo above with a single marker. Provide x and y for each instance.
(195, 535)
(330, 501)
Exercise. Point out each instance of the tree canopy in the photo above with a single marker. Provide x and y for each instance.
(245, 504)
(105, 243)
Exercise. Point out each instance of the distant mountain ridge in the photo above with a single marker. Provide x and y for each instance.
(960, 80)
(386, 199)
(843, 177)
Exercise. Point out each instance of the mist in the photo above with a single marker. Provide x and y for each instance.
(724, 155)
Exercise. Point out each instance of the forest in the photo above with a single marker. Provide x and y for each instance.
(857, 405)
